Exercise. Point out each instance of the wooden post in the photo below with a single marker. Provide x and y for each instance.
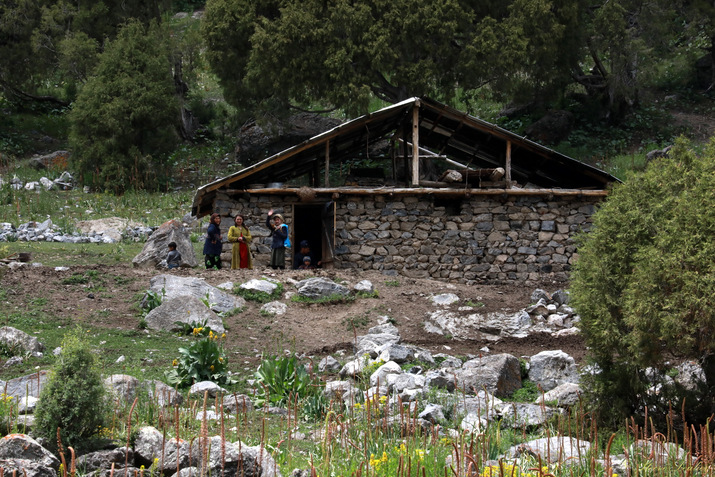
(416, 145)
(327, 163)
(508, 165)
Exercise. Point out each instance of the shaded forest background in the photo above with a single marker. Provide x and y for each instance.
(146, 93)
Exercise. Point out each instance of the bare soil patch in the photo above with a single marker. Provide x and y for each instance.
(108, 296)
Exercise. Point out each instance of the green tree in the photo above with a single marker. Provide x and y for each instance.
(124, 120)
(74, 398)
(56, 42)
(644, 284)
(632, 47)
(345, 52)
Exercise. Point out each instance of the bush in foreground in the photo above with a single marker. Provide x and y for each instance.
(644, 285)
(74, 398)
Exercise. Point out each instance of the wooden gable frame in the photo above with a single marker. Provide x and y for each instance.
(425, 129)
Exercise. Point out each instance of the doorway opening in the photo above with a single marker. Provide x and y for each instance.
(308, 226)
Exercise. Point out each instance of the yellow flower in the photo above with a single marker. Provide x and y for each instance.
(220, 360)
(212, 367)
(175, 362)
(223, 335)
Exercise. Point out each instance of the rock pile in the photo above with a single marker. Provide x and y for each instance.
(47, 232)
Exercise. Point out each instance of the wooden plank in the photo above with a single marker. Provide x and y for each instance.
(508, 163)
(337, 192)
(327, 163)
(416, 144)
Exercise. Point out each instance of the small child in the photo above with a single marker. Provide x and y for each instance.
(173, 258)
(306, 264)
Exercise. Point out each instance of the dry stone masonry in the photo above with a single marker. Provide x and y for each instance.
(479, 239)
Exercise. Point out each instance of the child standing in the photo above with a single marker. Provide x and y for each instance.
(173, 258)
(279, 231)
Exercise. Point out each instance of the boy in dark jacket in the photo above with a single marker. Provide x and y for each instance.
(173, 258)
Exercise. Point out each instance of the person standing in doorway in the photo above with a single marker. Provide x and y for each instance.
(212, 244)
(279, 232)
(241, 238)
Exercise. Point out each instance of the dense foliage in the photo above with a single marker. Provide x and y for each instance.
(644, 283)
(280, 52)
(58, 41)
(271, 53)
(606, 61)
(73, 399)
(123, 122)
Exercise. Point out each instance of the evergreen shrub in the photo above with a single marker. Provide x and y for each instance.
(74, 397)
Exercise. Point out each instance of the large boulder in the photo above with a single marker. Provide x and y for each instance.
(29, 385)
(549, 369)
(157, 246)
(499, 375)
(26, 468)
(183, 309)
(519, 415)
(21, 446)
(551, 449)
(552, 128)
(171, 286)
(12, 338)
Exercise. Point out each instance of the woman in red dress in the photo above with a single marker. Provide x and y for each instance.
(241, 238)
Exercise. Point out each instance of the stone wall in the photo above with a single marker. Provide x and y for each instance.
(482, 239)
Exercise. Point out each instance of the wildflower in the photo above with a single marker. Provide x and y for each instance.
(223, 335)
(220, 360)
(175, 362)
(420, 453)
(212, 367)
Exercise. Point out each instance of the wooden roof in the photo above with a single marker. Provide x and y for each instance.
(441, 130)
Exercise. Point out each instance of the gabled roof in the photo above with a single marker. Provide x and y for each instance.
(444, 131)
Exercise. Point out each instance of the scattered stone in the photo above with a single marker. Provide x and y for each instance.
(275, 308)
(445, 299)
(264, 286)
(319, 287)
(329, 365)
(364, 286)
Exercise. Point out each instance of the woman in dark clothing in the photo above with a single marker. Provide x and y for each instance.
(212, 245)
(279, 231)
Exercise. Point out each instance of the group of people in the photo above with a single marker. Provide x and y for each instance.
(240, 237)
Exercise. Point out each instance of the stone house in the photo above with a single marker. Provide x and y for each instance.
(422, 190)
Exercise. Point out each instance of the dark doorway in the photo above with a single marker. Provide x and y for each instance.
(308, 225)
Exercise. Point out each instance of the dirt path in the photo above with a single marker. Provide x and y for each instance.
(107, 296)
